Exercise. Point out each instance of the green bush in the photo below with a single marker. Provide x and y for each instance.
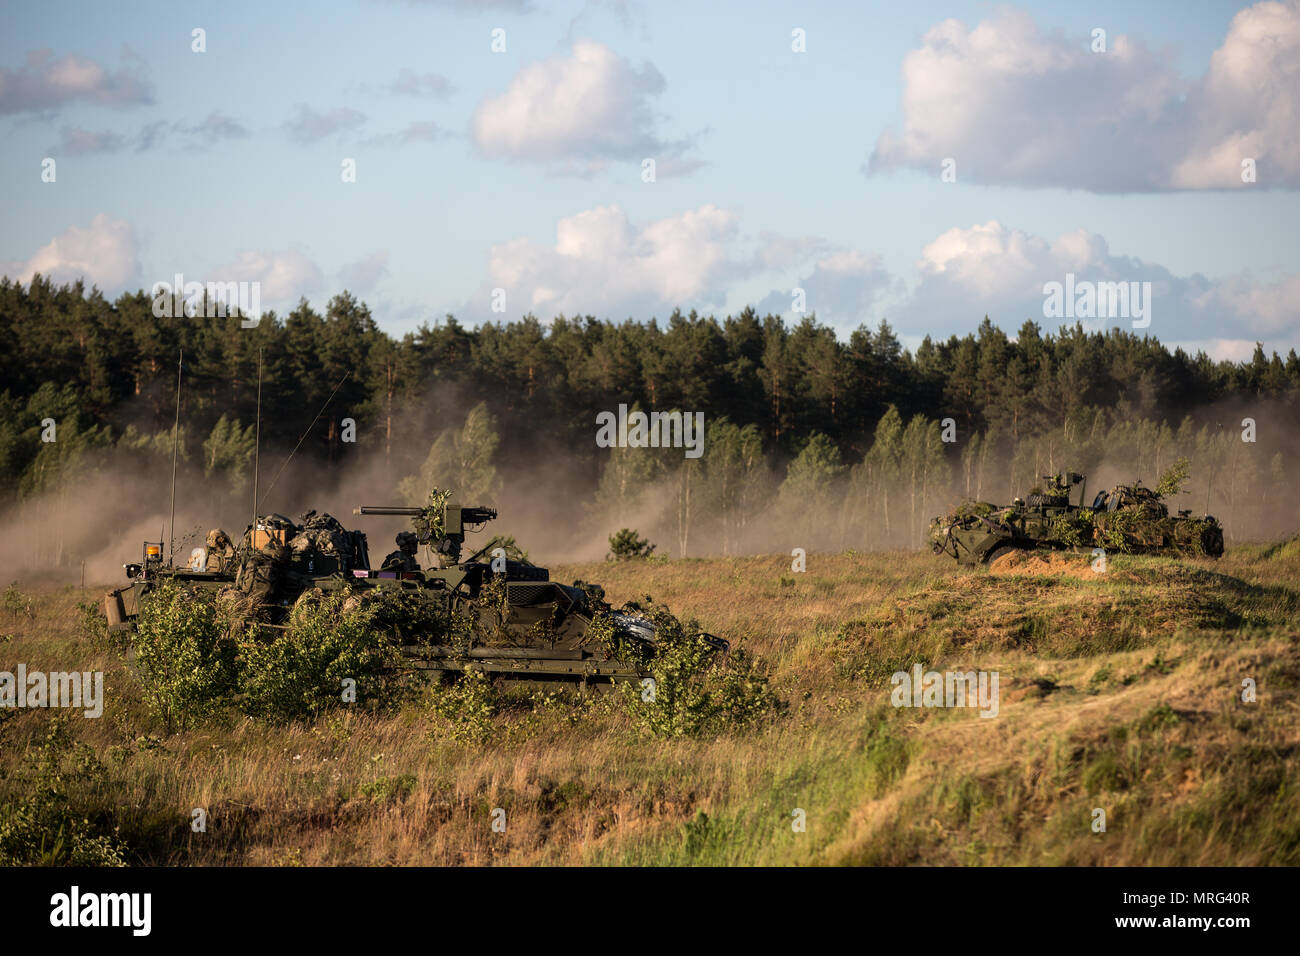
(627, 544)
(41, 829)
(887, 758)
(696, 690)
(300, 671)
(389, 790)
(16, 603)
(185, 658)
(94, 626)
(466, 707)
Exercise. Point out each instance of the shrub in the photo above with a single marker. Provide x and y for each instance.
(626, 545)
(389, 790)
(16, 602)
(41, 829)
(94, 626)
(300, 672)
(184, 656)
(887, 758)
(466, 707)
(696, 690)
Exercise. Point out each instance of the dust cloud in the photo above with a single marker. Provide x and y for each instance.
(551, 507)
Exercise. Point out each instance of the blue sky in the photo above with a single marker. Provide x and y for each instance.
(522, 170)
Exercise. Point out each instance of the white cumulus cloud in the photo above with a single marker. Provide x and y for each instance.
(581, 110)
(842, 290)
(993, 269)
(1014, 105)
(1248, 105)
(602, 264)
(284, 276)
(104, 253)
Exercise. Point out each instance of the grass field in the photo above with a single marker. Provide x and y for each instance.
(1120, 692)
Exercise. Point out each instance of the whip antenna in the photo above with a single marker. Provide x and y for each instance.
(309, 428)
(257, 446)
(176, 434)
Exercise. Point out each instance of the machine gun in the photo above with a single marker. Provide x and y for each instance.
(439, 525)
(1058, 487)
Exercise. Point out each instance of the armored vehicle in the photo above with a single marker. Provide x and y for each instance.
(525, 625)
(1127, 518)
(276, 562)
(499, 614)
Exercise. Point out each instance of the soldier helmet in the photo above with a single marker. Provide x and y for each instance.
(407, 541)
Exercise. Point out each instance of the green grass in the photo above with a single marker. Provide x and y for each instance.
(1120, 692)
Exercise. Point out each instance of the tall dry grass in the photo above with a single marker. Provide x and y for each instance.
(1120, 692)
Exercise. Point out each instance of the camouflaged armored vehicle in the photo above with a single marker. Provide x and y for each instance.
(276, 561)
(1128, 519)
(494, 612)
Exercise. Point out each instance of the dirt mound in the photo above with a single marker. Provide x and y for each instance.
(1045, 563)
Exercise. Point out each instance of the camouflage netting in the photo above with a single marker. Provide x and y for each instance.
(969, 514)
(1073, 529)
(407, 616)
(429, 524)
(1126, 519)
(1142, 530)
(237, 609)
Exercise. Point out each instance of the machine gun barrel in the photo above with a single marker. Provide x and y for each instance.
(385, 510)
(477, 515)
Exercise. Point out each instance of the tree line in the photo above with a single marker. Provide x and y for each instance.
(792, 409)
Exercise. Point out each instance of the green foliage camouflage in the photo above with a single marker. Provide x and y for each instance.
(413, 616)
(1171, 482)
(428, 526)
(694, 690)
(194, 661)
(508, 544)
(1129, 519)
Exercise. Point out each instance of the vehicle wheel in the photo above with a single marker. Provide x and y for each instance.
(999, 551)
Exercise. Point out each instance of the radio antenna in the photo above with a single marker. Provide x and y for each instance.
(176, 434)
(257, 447)
(309, 428)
